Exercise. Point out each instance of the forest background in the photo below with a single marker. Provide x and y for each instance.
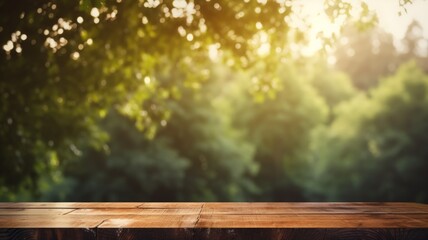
(210, 101)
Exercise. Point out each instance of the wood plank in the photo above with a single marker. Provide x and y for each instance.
(220, 221)
(64, 218)
(47, 233)
(147, 233)
(66, 205)
(312, 221)
(195, 220)
(52, 212)
(315, 205)
(164, 205)
(160, 221)
(136, 211)
(310, 234)
(214, 234)
(47, 222)
(313, 210)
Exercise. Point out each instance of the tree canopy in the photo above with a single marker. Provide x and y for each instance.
(375, 148)
(66, 63)
(206, 100)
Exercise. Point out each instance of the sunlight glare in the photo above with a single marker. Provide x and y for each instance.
(318, 24)
(264, 49)
(213, 52)
(263, 44)
(95, 12)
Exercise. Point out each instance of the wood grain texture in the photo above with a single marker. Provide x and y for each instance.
(214, 234)
(67, 205)
(44, 221)
(148, 233)
(312, 204)
(313, 210)
(164, 221)
(47, 234)
(27, 212)
(311, 234)
(176, 205)
(138, 212)
(312, 221)
(214, 220)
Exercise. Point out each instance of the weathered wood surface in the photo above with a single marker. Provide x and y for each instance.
(199, 221)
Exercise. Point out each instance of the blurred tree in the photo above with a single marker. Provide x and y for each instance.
(366, 56)
(332, 85)
(64, 64)
(369, 55)
(194, 156)
(280, 127)
(129, 168)
(375, 149)
(412, 40)
(415, 46)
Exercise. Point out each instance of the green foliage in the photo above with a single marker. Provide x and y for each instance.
(129, 167)
(195, 156)
(65, 64)
(108, 100)
(279, 128)
(332, 85)
(374, 150)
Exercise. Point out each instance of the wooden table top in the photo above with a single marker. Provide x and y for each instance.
(212, 215)
(104, 219)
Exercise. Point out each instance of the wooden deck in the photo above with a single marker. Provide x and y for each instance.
(133, 220)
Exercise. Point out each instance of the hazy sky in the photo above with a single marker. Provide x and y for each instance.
(386, 10)
(389, 19)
